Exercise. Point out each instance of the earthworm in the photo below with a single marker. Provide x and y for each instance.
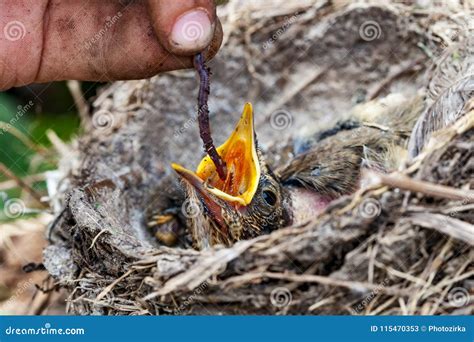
(203, 115)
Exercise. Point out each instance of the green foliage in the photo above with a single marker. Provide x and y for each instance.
(32, 119)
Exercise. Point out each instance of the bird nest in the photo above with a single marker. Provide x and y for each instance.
(402, 244)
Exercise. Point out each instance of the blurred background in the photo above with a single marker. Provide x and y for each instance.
(34, 121)
(32, 111)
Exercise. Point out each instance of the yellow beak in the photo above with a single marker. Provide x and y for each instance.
(239, 153)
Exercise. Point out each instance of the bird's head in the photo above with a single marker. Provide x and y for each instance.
(248, 202)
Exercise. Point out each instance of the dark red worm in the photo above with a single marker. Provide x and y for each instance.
(203, 115)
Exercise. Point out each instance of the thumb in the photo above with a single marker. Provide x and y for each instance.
(185, 27)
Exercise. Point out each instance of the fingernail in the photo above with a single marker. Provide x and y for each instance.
(192, 31)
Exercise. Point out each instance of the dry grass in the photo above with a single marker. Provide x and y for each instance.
(401, 245)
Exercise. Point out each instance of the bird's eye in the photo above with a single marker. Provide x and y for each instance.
(269, 197)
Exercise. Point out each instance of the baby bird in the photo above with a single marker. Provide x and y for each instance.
(249, 202)
(254, 200)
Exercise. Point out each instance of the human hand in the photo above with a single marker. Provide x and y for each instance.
(52, 40)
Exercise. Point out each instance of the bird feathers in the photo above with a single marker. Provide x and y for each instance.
(375, 137)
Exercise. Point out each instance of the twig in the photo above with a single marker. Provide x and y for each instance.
(203, 270)
(455, 228)
(376, 125)
(383, 306)
(203, 116)
(113, 284)
(397, 180)
(9, 184)
(81, 104)
(323, 280)
(96, 237)
(39, 303)
(63, 149)
(8, 173)
(22, 137)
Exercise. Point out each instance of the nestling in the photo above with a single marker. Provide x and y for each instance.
(253, 199)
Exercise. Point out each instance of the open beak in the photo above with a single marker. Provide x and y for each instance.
(239, 153)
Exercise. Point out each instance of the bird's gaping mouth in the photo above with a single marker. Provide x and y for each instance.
(239, 153)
